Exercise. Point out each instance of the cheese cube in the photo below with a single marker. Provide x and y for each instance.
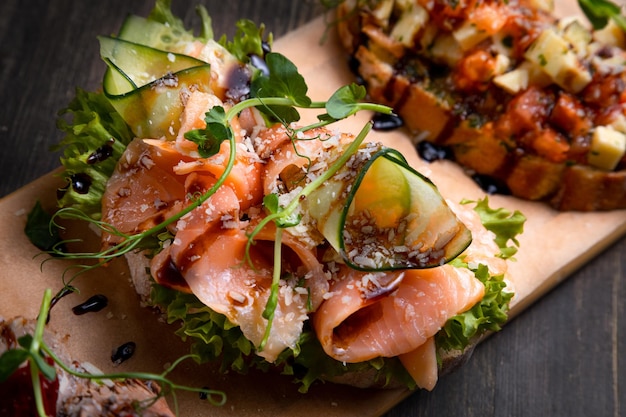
(607, 148)
(577, 35)
(382, 12)
(536, 76)
(553, 54)
(513, 81)
(446, 50)
(545, 5)
(410, 23)
(611, 35)
(619, 123)
(469, 35)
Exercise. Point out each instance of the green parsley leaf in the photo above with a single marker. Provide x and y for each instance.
(282, 218)
(10, 361)
(284, 81)
(38, 229)
(210, 138)
(600, 11)
(45, 368)
(270, 202)
(345, 101)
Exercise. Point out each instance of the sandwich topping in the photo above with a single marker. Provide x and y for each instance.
(532, 103)
(272, 242)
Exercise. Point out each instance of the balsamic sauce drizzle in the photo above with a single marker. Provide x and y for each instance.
(102, 153)
(123, 352)
(92, 305)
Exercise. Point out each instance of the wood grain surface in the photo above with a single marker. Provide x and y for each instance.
(563, 356)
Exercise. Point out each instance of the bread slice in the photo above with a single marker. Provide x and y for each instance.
(533, 102)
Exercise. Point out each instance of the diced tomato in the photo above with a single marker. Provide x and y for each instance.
(528, 111)
(474, 71)
(551, 145)
(605, 90)
(569, 115)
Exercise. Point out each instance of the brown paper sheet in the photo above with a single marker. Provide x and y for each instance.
(553, 246)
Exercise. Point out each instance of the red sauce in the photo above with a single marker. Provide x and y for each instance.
(17, 398)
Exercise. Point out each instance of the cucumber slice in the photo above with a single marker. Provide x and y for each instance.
(155, 34)
(139, 63)
(391, 217)
(145, 85)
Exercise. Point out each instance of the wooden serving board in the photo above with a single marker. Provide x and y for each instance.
(552, 247)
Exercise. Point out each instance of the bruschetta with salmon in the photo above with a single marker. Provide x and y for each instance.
(273, 245)
(530, 104)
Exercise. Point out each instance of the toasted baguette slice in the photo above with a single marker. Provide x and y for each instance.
(533, 102)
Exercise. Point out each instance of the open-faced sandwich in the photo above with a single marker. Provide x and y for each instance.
(529, 104)
(275, 245)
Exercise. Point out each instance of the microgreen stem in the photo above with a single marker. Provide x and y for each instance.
(270, 306)
(268, 101)
(34, 352)
(272, 301)
(145, 376)
(312, 186)
(130, 242)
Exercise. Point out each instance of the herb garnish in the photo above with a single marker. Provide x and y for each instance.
(600, 11)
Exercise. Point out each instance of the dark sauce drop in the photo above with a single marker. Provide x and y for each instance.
(123, 352)
(102, 153)
(238, 83)
(491, 185)
(169, 276)
(92, 305)
(266, 47)
(203, 395)
(80, 182)
(260, 64)
(430, 152)
(386, 122)
(354, 64)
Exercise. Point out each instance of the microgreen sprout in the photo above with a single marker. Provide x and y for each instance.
(283, 217)
(34, 349)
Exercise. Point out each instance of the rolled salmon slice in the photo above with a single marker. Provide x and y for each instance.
(371, 315)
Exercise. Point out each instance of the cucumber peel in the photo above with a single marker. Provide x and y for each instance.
(145, 84)
(391, 217)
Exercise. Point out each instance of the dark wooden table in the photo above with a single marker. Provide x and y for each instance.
(562, 357)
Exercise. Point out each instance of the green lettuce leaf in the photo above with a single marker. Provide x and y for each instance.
(506, 225)
(95, 138)
(491, 312)
(214, 339)
(248, 40)
(487, 315)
